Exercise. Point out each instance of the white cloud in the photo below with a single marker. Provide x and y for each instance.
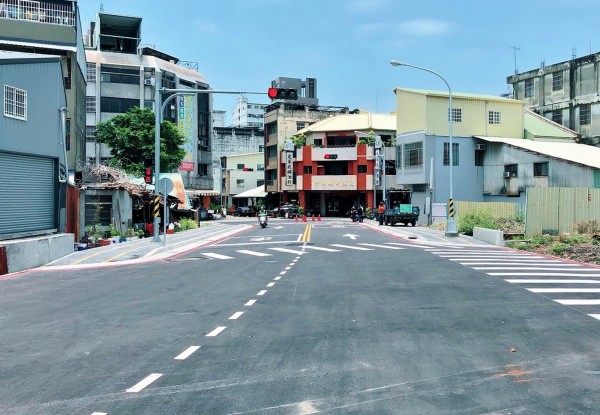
(206, 27)
(360, 6)
(424, 27)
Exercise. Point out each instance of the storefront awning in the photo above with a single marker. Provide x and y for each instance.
(256, 192)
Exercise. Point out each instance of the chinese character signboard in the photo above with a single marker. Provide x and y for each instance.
(185, 123)
(289, 168)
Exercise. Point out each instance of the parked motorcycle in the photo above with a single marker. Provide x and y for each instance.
(262, 220)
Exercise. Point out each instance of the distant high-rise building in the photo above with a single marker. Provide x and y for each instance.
(248, 114)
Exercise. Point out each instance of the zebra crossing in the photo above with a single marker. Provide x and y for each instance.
(302, 250)
(564, 282)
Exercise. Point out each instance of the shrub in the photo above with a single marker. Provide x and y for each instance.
(480, 219)
(541, 240)
(186, 224)
(573, 239)
(590, 226)
(558, 248)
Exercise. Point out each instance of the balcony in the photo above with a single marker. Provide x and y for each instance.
(38, 11)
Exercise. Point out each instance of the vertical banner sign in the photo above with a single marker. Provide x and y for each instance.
(185, 123)
(377, 168)
(289, 168)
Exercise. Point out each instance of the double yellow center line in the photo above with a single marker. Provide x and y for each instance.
(306, 234)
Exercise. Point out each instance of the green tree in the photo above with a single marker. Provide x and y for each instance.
(131, 139)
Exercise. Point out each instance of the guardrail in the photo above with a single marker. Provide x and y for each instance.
(37, 11)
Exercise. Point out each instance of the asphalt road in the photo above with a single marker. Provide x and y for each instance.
(301, 318)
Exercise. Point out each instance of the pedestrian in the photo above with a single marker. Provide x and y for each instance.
(359, 213)
(380, 212)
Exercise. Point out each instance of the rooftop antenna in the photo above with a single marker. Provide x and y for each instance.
(515, 49)
(573, 53)
(543, 63)
(101, 7)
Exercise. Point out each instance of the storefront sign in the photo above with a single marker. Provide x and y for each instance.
(185, 123)
(334, 183)
(289, 168)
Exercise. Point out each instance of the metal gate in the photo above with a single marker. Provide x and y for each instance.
(28, 187)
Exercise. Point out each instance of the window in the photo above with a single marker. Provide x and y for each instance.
(271, 128)
(419, 188)
(557, 116)
(90, 104)
(241, 166)
(15, 103)
(261, 148)
(260, 182)
(307, 169)
(529, 88)
(90, 133)
(494, 117)
(202, 169)
(260, 166)
(479, 157)
(511, 170)
(240, 182)
(540, 169)
(91, 71)
(454, 154)
(413, 154)
(585, 114)
(456, 114)
(557, 81)
(68, 134)
(67, 79)
(98, 209)
(300, 125)
(117, 105)
(318, 142)
(362, 168)
(117, 75)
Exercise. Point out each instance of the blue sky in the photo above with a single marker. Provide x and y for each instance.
(347, 44)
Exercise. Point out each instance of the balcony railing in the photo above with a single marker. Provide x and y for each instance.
(37, 11)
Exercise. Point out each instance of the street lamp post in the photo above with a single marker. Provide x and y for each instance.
(451, 224)
(159, 109)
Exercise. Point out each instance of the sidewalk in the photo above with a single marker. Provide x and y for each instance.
(144, 250)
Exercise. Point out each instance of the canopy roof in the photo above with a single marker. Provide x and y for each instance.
(256, 192)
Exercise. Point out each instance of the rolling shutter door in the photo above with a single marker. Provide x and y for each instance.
(28, 194)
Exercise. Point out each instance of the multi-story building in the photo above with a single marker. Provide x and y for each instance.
(230, 141)
(248, 114)
(567, 93)
(123, 73)
(283, 119)
(52, 28)
(334, 165)
(242, 172)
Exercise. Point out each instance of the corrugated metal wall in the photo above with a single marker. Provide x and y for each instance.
(560, 209)
(497, 209)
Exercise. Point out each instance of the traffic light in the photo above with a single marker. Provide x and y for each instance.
(330, 156)
(283, 93)
(148, 175)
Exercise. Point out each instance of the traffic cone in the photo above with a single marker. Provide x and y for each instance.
(313, 217)
(319, 218)
(303, 218)
(296, 218)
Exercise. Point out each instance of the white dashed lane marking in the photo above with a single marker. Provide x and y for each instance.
(542, 281)
(144, 383)
(261, 292)
(270, 284)
(216, 256)
(289, 251)
(254, 253)
(237, 315)
(249, 303)
(187, 353)
(216, 331)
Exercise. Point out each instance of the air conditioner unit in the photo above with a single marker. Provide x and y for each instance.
(148, 82)
(480, 147)
(506, 174)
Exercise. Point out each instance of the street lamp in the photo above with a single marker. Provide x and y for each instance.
(451, 224)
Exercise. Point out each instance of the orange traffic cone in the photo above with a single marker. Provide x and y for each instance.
(296, 218)
(303, 218)
(319, 218)
(313, 217)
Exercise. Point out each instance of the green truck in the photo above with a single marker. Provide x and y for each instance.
(399, 209)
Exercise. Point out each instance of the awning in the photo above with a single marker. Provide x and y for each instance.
(256, 192)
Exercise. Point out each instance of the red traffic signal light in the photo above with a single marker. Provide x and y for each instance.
(330, 156)
(148, 175)
(248, 169)
(283, 93)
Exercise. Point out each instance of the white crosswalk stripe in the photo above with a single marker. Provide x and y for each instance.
(381, 246)
(216, 256)
(358, 248)
(289, 251)
(253, 253)
(556, 277)
(320, 248)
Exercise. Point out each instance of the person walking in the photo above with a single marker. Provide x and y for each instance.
(359, 213)
(380, 212)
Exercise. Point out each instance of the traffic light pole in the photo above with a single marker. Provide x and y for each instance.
(159, 109)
